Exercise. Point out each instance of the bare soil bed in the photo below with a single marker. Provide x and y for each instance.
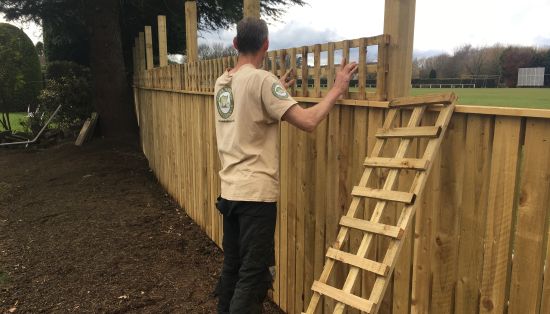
(89, 230)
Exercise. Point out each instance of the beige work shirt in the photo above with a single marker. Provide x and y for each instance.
(249, 104)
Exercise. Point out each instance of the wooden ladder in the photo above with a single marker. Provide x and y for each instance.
(422, 166)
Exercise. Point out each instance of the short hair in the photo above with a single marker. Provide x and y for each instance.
(251, 34)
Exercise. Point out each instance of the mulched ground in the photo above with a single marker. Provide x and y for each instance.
(89, 230)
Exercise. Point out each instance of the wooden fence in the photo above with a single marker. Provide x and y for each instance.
(480, 239)
(480, 242)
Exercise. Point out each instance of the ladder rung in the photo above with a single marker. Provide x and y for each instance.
(386, 195)
(363, 263)
(443, 99)
(372, 227)
(341, 296)
(401, 163)
(419, 131)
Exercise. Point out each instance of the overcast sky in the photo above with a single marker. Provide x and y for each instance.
(441, 25)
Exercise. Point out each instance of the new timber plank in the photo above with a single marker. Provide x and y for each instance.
(421, 131)
(532, 220)
(497, 255)
(320, 202)
(402, 274)
(282, 267)
(359, 144)
(398, 163)
(292, 212)
(444, 265)
(372, 227)
(473, 213)
(310, 213)
(363, 263)
(345, 177)
(341, 296)
(545, 303)
(301, 186)
(331, 229)
(375, 121)
(386, 195)
(441, 99)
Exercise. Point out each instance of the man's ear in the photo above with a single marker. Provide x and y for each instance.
(265, 46)
(235, 44)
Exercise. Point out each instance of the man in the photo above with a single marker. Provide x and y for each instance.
(249, 104)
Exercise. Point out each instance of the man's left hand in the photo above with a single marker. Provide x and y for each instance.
(288, 79)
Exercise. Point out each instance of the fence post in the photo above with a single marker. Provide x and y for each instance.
(191, 31)
(163, 48)
(251, 8)
(399, 24)
(149, 47)
(141, 50)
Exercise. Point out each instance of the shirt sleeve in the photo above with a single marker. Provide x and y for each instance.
(275, 98)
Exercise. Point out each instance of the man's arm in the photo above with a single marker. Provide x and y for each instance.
(307, 119)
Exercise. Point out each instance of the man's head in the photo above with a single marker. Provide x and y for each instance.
(252, 36)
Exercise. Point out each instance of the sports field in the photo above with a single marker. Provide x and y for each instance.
(500, 97)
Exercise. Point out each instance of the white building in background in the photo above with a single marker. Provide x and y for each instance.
(531, 77)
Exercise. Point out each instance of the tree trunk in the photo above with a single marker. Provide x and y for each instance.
(111, 92)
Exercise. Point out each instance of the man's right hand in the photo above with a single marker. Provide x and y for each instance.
(344, 75)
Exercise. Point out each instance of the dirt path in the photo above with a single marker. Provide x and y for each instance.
(89, 230)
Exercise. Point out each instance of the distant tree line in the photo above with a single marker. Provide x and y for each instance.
(468, 62)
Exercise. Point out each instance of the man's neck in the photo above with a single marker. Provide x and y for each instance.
(255, 59)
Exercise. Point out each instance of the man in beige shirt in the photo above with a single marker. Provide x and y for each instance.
(250, 102)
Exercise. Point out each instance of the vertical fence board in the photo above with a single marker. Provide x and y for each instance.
(473, 213)
(283, 206)
(423, 233)
(402, 271)
(529, 252)
(446, 236)
(497, 253)
(311, 156)
(320, 202)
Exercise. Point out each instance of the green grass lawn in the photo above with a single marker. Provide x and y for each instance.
(538, 98)
(15, 118)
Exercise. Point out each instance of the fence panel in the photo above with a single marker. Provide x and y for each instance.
(480, 239)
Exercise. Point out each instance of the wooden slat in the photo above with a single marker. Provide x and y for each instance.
(450, 173)
(373, 227)
(163, 45)
(442, 99)
(421, 131)
(341, 296)
(401, 163)
(386, 195)
(497, 254)
(532, 221)
(149, 47)
(473, 212)
(363, 263)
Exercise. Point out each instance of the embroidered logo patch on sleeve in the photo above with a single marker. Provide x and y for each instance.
(224, 102)
(279, 91)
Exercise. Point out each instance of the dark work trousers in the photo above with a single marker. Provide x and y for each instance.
(248, 248)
